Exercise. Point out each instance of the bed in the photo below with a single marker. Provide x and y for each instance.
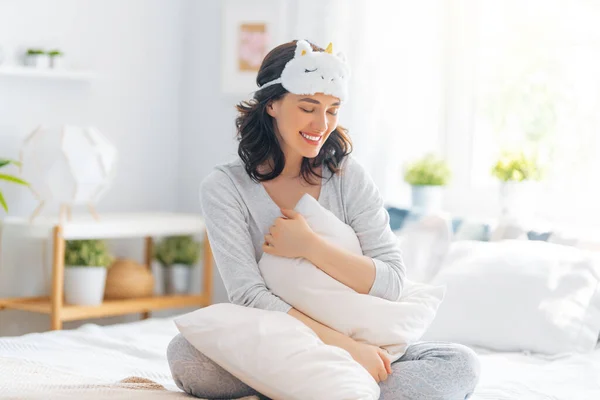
(127, 361)
(502, 297)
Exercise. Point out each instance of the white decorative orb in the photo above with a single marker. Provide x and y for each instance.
(69, 165)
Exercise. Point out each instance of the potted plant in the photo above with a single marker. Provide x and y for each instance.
(9, 178)
(427, 176)
(177, 255)
(86, 262)
(518, 174)
(37, 58)
(56, 58)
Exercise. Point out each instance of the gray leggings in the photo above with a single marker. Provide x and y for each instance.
(427, 371)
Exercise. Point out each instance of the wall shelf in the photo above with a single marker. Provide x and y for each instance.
(59, 74)
(108, 307)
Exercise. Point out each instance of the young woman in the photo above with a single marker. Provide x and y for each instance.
(290, 144)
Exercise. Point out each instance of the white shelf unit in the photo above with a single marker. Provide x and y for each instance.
(46, 73)
(108, 226)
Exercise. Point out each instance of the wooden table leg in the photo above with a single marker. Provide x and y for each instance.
(58, 273)
(148, 253)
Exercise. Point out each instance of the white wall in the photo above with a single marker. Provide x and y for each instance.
(136, 48)
(207, 116)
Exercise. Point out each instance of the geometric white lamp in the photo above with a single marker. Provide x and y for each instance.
(70, 165)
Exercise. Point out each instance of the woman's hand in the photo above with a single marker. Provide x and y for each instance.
(289, 236)
(373, 359)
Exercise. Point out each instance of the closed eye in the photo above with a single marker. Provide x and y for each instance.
(310, 70)
(332, 112)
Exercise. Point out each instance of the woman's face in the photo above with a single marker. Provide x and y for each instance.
(304, 122)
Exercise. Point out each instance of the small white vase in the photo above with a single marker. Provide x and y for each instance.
(426, 198)
(57, 62)
(177, 279)
(84, 285)
(40, 61)
(518, 200)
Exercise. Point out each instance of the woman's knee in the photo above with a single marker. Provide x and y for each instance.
(198, 375)
(180, 356)
(467, 365)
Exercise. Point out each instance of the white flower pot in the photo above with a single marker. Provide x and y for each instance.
(177, 279)
(57, 62)
(41, 61)
(84, 285)
(426, 198)
(518, 199)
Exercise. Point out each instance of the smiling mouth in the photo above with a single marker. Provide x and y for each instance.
(311, 138)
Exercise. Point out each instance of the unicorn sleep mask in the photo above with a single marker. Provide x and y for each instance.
(311, 72)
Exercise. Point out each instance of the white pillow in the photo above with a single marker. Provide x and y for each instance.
(517, 295)
(276, 354)
(391, 325)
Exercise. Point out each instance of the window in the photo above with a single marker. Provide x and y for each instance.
(535, 69)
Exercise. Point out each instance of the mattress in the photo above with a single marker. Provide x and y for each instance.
(92, 362)
(526, 376)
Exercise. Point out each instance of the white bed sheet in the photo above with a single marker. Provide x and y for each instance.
(110, 353)
(526, 376)
(90, 354)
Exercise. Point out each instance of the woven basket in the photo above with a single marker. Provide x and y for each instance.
(127, 279)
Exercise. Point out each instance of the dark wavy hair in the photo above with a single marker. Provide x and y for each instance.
(256, 135)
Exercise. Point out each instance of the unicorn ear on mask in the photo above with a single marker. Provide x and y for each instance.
(311, 72)
(302, 48)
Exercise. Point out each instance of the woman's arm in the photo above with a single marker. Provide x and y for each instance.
(353, 270)
(226, 222)
(372, 358)
(325, 333)
(380, 271)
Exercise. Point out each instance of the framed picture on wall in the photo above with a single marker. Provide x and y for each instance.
(250, 29)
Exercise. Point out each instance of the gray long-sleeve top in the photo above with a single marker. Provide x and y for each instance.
(238, 213)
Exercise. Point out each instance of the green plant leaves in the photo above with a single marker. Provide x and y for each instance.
(429, 170)
(516, 166)
(87, 253)
(178, 250)
(13, 179)
(3, 202)
(4, 161)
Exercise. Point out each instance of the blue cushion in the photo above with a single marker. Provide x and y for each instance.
(397, 217)
(456, 223)
(543, 236)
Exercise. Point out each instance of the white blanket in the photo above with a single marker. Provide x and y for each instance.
(98, 355)
(89, 362)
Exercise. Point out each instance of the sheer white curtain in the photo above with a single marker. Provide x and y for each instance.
(525, 75)
(538, 86)
(436, 74)
(395, 49)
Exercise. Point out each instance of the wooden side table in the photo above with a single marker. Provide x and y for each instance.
(109, 226)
